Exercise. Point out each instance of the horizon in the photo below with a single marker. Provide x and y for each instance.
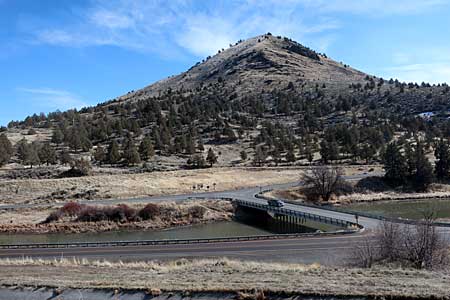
(60, 55)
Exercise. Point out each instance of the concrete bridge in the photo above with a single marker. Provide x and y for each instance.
(293, 215)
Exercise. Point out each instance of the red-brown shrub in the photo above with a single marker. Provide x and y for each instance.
(72, 208)
(150, 211)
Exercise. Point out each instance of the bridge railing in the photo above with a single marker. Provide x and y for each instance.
(296, 213)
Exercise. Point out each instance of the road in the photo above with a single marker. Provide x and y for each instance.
(325, 250)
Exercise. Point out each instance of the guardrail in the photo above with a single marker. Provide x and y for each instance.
(296, 213)
(174, 241)
(358, 213)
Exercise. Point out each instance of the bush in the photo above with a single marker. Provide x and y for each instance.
(150, 211)
(92, 214)
(419, 246)
(81, 166)
(71, 209)
(197, 211)
(53, 217)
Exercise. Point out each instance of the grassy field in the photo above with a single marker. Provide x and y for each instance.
(225, 275)
(145, 184)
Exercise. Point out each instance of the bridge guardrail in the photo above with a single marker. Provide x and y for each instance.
(352, 212)
(300, 214)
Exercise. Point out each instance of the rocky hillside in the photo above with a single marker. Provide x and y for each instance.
(266, 100)
(264, 62)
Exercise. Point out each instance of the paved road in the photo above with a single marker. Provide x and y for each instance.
(329, 250)
(311, 249)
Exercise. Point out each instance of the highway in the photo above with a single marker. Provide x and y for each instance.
(322, 249)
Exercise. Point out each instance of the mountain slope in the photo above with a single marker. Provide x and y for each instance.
(262, 62)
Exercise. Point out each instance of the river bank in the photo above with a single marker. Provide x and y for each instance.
(219, 277)
(31, 221)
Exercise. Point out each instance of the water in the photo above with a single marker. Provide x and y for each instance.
(213, 230)
(219, 229)
(407, 209)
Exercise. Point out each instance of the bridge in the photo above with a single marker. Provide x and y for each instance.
(294, 216)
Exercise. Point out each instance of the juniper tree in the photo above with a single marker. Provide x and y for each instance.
(113, 153)
(442, 154)
(47, 154)
(211, 157)
(6, 150)
(395, 165)
(146, 149)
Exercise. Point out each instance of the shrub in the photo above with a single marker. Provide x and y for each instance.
(150, 211)
(197, 211)
(92, 214)
(81, 166)
(72, 208)
(53, 217)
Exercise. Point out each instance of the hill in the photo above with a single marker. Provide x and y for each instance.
(265, 100)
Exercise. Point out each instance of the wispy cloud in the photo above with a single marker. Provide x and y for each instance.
(427, 72)
(169, 28)
(51, 99)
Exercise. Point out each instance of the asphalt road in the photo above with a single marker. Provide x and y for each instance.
(329, 250)
(325, 250)
(308, 249)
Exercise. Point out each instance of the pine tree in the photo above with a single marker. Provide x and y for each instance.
(65, 157)
(211, 158)
(423, 173)
(243, 155)
(99, 155)
(146, 149)
(47, 154)
(260, 156)
(290, 156)
(58, 136)
(395, 165)
(131, 154)
(6, 149)
(442, 154)
(113, 153)
(31, 155)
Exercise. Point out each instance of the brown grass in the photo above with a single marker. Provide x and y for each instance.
(224, 274)
(147, 184)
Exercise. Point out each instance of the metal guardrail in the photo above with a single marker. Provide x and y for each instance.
(296, 213)
(172, 242)
(358, 213)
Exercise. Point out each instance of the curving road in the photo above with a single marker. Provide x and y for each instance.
(326, 249)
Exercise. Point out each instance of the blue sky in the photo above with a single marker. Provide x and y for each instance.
(58, 54)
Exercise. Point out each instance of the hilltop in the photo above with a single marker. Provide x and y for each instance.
(267, 100)
(262, 62)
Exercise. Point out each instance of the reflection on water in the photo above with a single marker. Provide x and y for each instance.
(407, 209)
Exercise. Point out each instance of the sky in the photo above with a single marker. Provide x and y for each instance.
(62, 54)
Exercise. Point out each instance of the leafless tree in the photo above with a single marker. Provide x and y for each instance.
(424, 246)
(322, 182)
(387, 239)
(365, 254)
(419, 245)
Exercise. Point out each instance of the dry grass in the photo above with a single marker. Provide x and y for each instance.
(223, 275)
(147, 184)
(29, 220)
